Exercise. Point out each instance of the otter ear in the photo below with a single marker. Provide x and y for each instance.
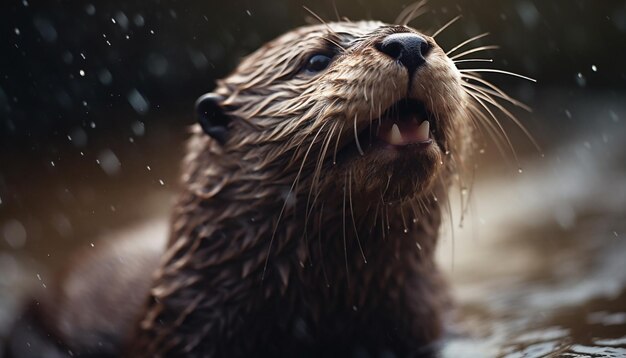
(212, 117)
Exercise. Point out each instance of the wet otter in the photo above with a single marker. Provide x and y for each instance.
(308, 213)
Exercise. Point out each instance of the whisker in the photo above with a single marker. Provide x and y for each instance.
(451, 219)
(408, 13)
(492, 130)
(319, 18)
(474, 60)
(477, 37)
(356, 232)
(343, 49)
(356, 138)
(319, 242)
(499, 95)
(493, 70)
(481, 80)
(337, 144)
(489, 99)
(477, 49)
(345, 247)
(442, 29)
(406, 228)
(315, 180)
(282, 210)
(336, 11)
(508, 140)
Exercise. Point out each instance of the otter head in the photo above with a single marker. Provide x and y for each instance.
(332, 103)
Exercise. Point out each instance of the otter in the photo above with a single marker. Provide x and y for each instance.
(308, 214)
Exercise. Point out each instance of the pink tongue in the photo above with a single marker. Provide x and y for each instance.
(404, 132)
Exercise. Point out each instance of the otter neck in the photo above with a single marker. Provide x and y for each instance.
(240, 236)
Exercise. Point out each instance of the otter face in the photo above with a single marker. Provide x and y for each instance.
(363, 100)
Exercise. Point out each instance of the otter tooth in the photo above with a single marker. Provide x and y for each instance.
(423, 131)
(395, 137)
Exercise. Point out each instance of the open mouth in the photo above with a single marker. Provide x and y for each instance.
(404, 123)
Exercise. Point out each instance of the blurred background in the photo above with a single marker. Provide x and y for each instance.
(96, 98)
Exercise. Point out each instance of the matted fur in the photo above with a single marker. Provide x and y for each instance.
(286, 239)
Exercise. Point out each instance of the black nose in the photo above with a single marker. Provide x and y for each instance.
(408, 48)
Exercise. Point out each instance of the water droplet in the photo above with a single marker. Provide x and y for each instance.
(52, 163)
(406, 231)
(248, 12)
(594, 68)
(138, 20)
(14, 233)
(581, 80)
(113, 21)
(161, 182)
(109, 162)
(17, 31)
(139, 103)
(90, 9)
(81, 73)
(83, 56)
(419, 247)
(414, 220)
(519, 170)
(105, 77)
(435, 198)
(354, 308)
(92, 244)
(39, 277)
(481, 151)
(148, 167)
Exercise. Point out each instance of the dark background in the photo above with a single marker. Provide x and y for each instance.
(95, 97)
(142, 58)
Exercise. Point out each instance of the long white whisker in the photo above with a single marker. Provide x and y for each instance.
(499, 95)
(442, 29)
(489, 99)
(282, 210)
(508, 140)
(493, 70)
(474, 60)
(477, 49)
(356, 138)
(356, 232)
(466, 42)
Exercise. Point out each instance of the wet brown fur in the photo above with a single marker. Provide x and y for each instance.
(264, 256)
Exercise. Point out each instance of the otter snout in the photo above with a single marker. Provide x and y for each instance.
(408, 48)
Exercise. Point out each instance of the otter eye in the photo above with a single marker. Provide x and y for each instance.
(317, 63)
